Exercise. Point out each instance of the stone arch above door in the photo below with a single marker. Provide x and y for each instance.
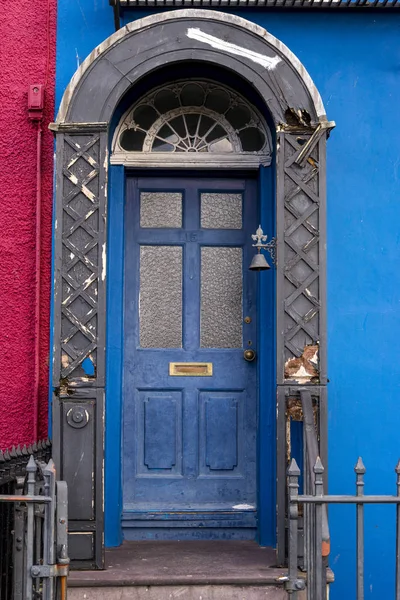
(188, 34)
(82, 125)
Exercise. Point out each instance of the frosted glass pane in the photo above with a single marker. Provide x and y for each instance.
(221, 297)
(160, 298)
(221, 211)
(160, 209)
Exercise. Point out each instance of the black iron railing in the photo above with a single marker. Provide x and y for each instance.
(33, 526)
(13, 464)
(316, 578)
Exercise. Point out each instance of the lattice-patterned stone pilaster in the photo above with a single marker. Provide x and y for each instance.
(301, 290)
(301, 250)
(80, 273)
(79, 332)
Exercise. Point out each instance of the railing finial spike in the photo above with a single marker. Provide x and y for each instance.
(397, 468)
(318, 467)
(31, 467)
(360, 467)
(293, 469)
(50, 467)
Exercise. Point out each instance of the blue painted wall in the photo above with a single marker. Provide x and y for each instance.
(354, 60)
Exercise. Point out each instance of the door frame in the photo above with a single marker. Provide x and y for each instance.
(80, 245)
(115, 348)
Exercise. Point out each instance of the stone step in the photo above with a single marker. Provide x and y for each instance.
(184, 570)
(179, 592)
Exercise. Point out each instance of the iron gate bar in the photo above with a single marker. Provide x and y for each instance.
(27, 499)
(335, 499)
(312, 452)
(360, 471)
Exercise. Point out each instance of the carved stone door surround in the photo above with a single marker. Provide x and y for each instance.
(81, 131)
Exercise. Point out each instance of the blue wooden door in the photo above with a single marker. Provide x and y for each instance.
(190, 398)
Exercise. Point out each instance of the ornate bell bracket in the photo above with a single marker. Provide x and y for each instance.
(259, 262)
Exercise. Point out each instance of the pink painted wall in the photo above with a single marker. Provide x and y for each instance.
(27, 56)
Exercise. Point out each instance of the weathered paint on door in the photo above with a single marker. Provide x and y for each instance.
(189, 442)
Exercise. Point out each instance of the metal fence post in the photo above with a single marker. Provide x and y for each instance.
(320, 574)
(62, 536)
(49, 474)
(397, 470)
(18, 552)
(294, 584)
(31, 479)
(360, 471)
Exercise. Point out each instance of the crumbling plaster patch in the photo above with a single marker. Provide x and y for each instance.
(303, 369)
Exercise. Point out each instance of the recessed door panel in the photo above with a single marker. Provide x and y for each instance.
(221, 433)
(160, 434)
(190, 398)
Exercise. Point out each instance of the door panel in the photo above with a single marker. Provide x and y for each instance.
(189, 441)
(221, 450)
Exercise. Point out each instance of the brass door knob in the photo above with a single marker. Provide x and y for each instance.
(249, 355)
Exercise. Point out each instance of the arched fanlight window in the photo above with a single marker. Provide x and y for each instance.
(192, 123)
